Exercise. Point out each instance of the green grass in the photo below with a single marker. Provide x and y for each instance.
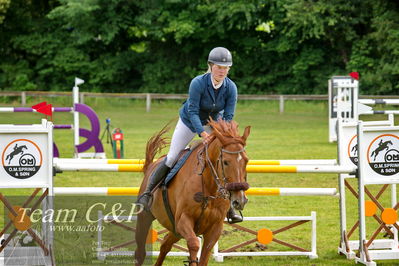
(301, 132)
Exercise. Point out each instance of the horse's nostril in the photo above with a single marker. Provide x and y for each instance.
(236, 204)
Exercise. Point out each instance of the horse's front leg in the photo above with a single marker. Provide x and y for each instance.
(144, 221)
(210, 239)
(185, 227)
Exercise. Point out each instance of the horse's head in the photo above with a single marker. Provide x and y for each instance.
(231, 160)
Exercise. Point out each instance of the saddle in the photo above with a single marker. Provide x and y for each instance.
(182, 158)
(178, 165)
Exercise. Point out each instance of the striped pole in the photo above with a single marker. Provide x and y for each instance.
(379, 101)
(250, 168)
(30, 109)
(293, 162)
(62, 161)
(97, 191)
(300, 169)
(99, 167)
(133, 191)
(264, 191)
(63, 126)
(381, 112)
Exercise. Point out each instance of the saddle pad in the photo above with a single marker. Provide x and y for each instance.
(177, 166)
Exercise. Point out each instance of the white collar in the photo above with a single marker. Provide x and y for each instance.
(216, 86)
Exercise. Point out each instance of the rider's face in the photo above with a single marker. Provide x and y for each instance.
(219, 72)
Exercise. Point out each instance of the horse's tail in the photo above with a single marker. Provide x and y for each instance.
(154, 145)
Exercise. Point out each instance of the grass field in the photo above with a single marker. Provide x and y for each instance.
(301, 132)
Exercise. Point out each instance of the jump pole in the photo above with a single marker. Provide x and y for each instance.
(381, 112)
(142, 161)
(256, 191)
(250, 168)
(379, 101)
(30, 109)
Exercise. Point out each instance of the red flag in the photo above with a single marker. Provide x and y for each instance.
(39, 105)
(47, 110)
(354, 75)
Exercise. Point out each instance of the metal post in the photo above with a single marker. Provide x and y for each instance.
(361, 198)
(281, 104)
(75, 120)
(75, 95)
(342, 206)
(23, 98)
(216, 256)
(314, 237)
(394, 200)
(148, 102)
(82, 97)
(99, 235)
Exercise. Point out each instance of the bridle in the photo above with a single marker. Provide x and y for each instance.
(223, 186)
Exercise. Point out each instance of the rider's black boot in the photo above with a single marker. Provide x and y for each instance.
(157, 176)
(232, 217)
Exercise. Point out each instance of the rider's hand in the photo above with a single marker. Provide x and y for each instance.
(205, 137)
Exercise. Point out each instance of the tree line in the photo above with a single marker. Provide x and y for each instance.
(278, 46)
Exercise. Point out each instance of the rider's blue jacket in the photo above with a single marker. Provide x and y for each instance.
(202, 104)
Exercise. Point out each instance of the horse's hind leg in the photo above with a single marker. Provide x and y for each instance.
(144, 221)
(166, 246)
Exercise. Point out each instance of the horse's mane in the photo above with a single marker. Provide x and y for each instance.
(227, 131)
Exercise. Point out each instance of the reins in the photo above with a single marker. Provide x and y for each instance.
(224, 194)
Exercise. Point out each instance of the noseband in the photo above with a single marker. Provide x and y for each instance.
(224, 187)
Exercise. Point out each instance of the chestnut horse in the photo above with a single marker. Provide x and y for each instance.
(212, 179)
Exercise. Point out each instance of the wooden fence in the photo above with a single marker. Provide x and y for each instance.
(153, 96)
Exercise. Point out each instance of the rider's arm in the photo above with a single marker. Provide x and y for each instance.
(195, 93)
(231, 102)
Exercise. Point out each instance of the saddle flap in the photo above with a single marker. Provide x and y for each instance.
(178, 165)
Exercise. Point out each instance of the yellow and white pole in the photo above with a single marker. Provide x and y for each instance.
(256, 191)
(142, 161)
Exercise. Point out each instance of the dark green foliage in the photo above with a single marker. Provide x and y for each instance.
(278, 46)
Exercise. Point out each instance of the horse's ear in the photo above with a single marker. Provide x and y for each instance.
(247, 130)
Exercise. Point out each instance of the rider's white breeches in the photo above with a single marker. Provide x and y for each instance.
(180, 139)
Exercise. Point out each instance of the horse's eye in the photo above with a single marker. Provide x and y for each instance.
(226, 163)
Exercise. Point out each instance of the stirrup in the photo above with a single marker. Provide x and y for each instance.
(235, 218)
(147, 198)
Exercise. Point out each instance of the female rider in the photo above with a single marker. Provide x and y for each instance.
(212, 94)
